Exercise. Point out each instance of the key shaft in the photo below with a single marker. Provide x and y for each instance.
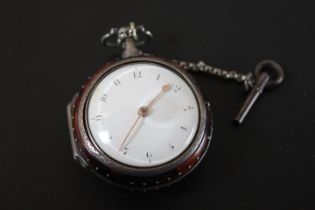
(252, 97)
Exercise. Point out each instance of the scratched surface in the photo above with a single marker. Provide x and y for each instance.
(49, 48)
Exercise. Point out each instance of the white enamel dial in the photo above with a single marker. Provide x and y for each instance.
(143, 114)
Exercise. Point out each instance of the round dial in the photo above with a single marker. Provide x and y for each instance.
(142, 114)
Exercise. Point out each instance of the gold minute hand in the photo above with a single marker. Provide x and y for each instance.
(141, 113)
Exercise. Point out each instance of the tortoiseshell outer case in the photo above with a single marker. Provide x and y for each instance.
(90, 156)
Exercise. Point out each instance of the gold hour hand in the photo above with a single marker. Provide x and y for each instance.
(165, 88)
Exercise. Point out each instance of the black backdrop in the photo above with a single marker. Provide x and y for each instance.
(48, 48)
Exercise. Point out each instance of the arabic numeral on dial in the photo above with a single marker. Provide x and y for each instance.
(149, 156)
(125, 150)
(117, 82)
(137, 74)
(183, 128)
(171, 146)
(104, 98)
(97, 117)
(177, 88)
(188, 108)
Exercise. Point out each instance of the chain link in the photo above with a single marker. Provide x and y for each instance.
(248, 79)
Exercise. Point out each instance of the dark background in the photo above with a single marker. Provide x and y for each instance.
(48, 48)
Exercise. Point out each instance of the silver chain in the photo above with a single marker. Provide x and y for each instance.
(119, 35)
(248, 79)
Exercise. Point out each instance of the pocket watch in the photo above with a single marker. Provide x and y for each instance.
(140, 121)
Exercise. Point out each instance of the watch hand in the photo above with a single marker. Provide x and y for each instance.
(141, 113)
(165, 88)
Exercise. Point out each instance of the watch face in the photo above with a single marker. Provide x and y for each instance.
(142, 114)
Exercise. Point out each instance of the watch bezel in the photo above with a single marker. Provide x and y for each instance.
(200, 141)
(88, 102)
